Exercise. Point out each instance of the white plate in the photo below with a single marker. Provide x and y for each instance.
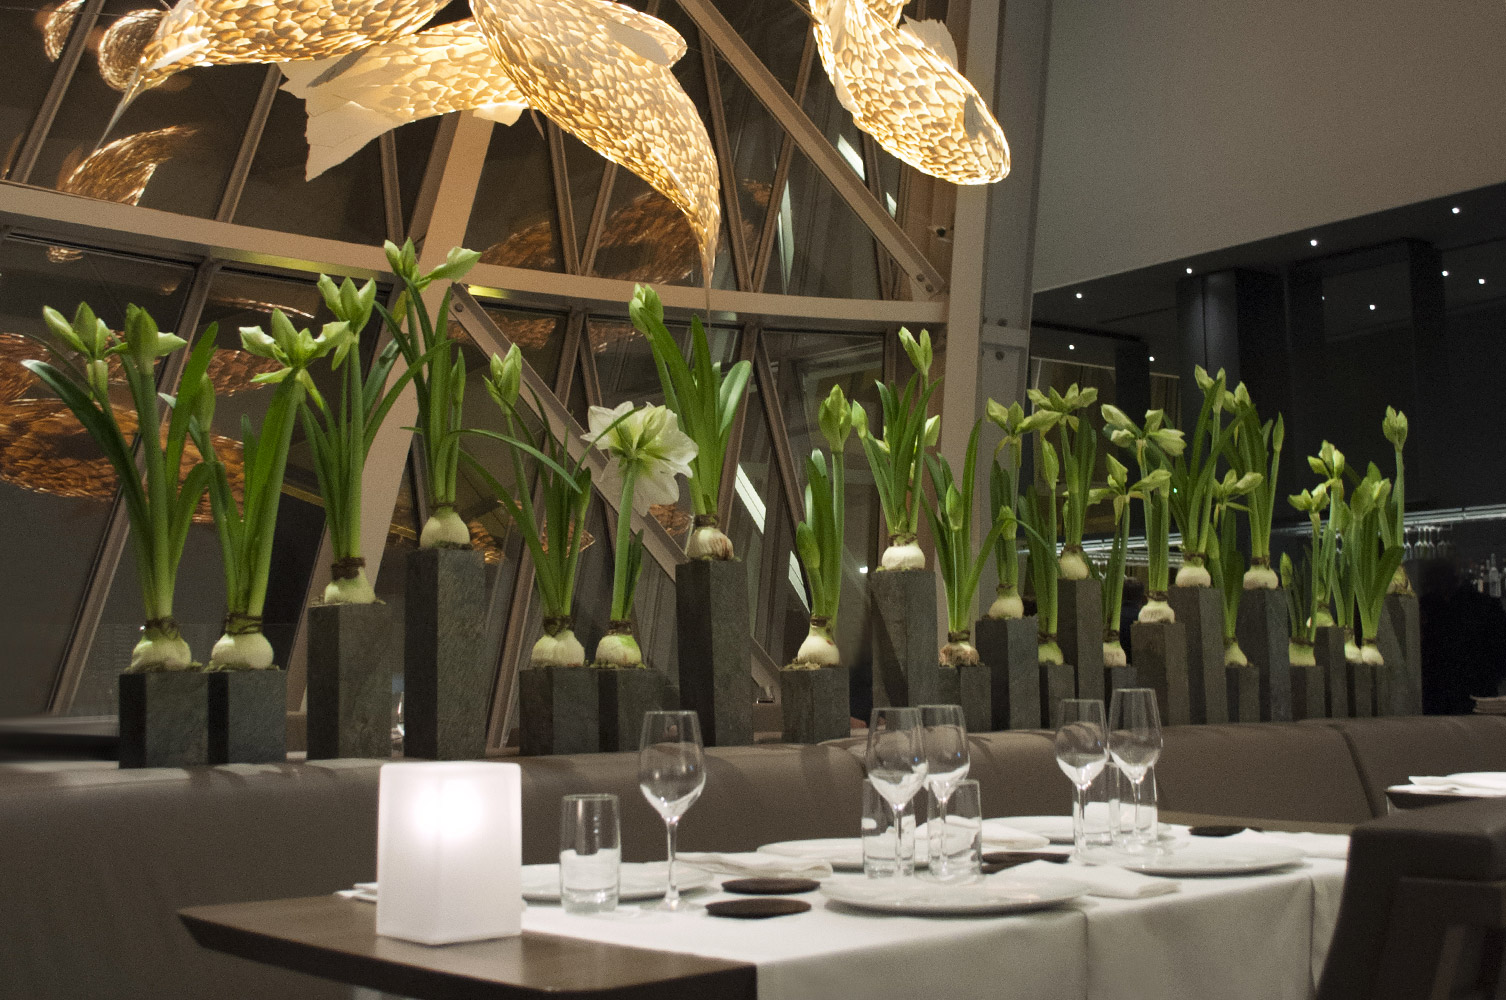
(1058, 829)
(1210, 858)
(842, 853)
(993, 894)
(637, 881)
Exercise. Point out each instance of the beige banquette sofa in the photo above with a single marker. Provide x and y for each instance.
(95, 862)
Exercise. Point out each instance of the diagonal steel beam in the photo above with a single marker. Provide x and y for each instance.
(782, 172)
(812, 143)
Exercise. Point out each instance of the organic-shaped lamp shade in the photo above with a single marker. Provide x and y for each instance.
(121, 170)
(122, 45)
(602, 71)
(444, 69)
(57, 26)
(902, 86)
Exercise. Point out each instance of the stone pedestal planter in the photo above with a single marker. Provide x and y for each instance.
(1160, 650)
(1058, 681)
(559, 710)
(1362, 691)
(1328, 650)
(164, 719)
(446, 686)
(815, 704)
(248, 716)
(970, 686)
(1262, 632)
(1404, 678)
(1115, 678)
(350, 665)
(622, 698)
(1309, 694)
(903, 612)
(1243, 687)
(1080, 632)
(1201, 611)
(711, 600)
(1008, 647)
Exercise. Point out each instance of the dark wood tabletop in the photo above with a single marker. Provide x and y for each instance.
(336, 938)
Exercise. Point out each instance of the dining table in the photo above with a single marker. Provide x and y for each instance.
(1262, 935)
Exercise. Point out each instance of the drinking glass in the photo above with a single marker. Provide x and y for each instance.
(671, 773)
(590, 853)
(956, 854)
(1135, 743)
(944, 733)
(879, 841)
(896, 759)
(1101, 816)
(1081, 752)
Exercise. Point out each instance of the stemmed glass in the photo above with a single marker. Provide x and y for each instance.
(944, 734)
(1082, 752)
(1135, 743)
(896, 761)
(671, 773)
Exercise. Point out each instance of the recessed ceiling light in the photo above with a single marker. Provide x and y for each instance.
(1372, 307)
(1445, 274)
(1153, 357)
(1079, 294)
(1312, 242)
(1482, 281)
(1071, 347)
(1456, 209)
(1189, 270)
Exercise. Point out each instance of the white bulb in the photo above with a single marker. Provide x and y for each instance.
(1189, 270)
(1153, 357)
(1079, 294)
(1313, 242)
(1445, 274)
(1456, 209)
(1071, 347)
(1372, 307)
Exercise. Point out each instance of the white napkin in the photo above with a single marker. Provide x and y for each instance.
(366, 892)
(998, 835)
(1312, 845)
(1477, 783)
(1101, 880)
(754, 865)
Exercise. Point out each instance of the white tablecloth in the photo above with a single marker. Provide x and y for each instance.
(1258, 936)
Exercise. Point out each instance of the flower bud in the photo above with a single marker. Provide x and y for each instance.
(98, 373)
(859, 417)
(933, 431)
(1115, 417)
(506, 378)
(1394, 427)
(835, 419)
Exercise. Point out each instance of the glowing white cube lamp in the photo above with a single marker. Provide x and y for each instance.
(449, 852)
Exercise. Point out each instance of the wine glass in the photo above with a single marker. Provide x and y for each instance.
(1082, 752)
(896, 760)
(671, 773)
(944, 734)
(1135, 741)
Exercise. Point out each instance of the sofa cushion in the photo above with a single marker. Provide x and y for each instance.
(1387, 751)
(1269, 770)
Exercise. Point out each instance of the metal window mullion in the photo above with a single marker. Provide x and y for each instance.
(598, 218)
(117, 529)
(73, 52)
(235, 184)
(779, 441)
(392, 187)
(876, 185)
(722, 143)
(562, 202)
(782, 172)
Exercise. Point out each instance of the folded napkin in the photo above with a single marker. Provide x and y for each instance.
(1476, 783)
(1101, 880)
(366, 892)
(1312, 845)
(754, 865)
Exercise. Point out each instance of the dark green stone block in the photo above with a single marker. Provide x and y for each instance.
(446, 685)
(559, 710)
(1115, 678)
(905, 647)
(968, 686)
(248, 716)
(1008, 646)
(1401, 624)
(716, 667)
(622, 698)
(1328, 650)
(1362, 691)
(1263, 632)
(1058, 681)
(1309, 695)
(349, 681)
(1080, 632)
(164, 719)
(1161, 664)
(1243, 687)
(1201, 611)
(814, 704)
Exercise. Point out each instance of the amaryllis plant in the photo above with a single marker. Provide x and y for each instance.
(895, 459)
(818, 538)
(1120, 491)
(1079, 452)
(1394, 521)
(1155, 446)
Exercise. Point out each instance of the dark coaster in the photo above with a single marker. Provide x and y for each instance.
(1215, 831)
(770, 886)
(1008, 859)
(756, 909)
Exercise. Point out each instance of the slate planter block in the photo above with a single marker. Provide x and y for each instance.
(1328, 650)
(969, 686)
(1008, 647)
(349, 681)
(559, 710)
(716, 667)
(1161, 664)
(1058, 681)
(1201, 610)
(1115, 678)
(1080, 632)
(248, 716)
(815, 704)
(164, 719)
(905, 637)
(1263, 635)
(1402, 619)
(1362, 691)
(622, 698)
(1309, 693)
(1243, 686)
(446, 687)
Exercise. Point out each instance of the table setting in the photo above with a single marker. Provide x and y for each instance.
(1429, 790)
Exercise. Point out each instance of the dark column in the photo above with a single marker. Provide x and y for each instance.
(1235, 320)
(1428, 440)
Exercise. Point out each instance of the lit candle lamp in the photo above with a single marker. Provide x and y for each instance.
(449, 852)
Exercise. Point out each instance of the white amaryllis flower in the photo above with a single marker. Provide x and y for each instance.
(648, 441)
